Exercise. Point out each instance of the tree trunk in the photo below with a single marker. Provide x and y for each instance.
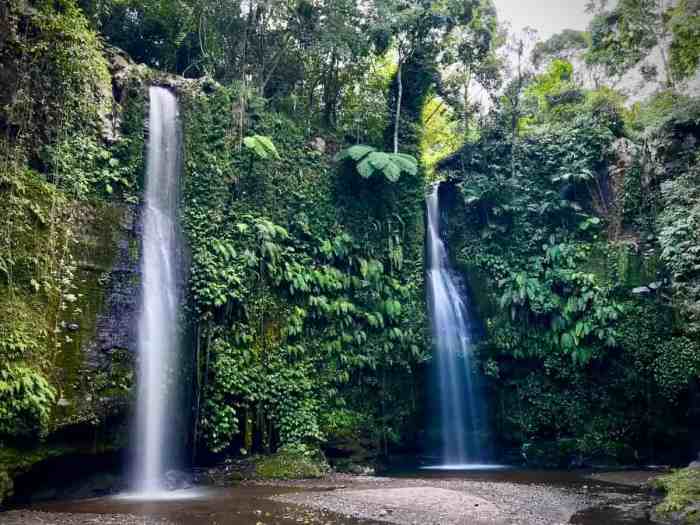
(397, 117)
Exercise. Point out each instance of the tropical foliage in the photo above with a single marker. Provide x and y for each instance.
(310, 133)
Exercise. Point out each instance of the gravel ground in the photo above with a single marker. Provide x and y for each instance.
(445, 502)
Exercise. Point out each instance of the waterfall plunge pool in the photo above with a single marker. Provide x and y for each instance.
(466, 467)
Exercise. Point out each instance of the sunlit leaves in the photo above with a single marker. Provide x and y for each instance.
(261, 146)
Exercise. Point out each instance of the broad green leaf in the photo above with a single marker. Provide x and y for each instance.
(262, 146)
(354, 152)
(379, 160)
(392, 171)
(365, 168)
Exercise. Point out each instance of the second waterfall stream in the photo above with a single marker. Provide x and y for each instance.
(461, 403)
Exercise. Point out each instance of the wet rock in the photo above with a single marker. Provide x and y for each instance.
(695, 464)
(178, 480)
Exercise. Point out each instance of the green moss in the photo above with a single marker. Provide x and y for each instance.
(621, 264)
(685, 47)
(292, 462)
(682, 489)
(56, 255)
(94, 251)
(55, 57)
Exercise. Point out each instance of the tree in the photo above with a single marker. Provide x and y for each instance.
(520, 71)
(470, 53)
(368, 161)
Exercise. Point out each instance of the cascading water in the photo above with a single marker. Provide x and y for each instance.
(460, 398)
(157, 331)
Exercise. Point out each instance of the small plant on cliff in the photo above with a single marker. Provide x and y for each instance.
(261, 146)
(26, 398)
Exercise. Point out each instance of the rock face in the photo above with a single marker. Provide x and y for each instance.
(92, 343)
(637, 83)
(108, 354)
(94, 369)
(634, 83)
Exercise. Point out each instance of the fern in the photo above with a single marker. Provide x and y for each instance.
(368, 161)
(354, 152)
(262, 146)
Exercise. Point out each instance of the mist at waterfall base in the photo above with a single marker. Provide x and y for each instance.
(157, 445)
(458, 396)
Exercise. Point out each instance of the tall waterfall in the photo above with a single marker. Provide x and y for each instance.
(157, 330)
(460, 398)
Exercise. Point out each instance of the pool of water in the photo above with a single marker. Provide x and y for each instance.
(205, 506)
(467, 467)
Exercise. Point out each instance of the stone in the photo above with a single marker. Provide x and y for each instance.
(318, 144)
(695, 464)
(642, 290)
(178, 480)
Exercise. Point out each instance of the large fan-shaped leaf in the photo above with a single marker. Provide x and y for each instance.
(370, 161)
(354, 152)
(407, 163)
(392, 171)
(365, 169)
(379, 160)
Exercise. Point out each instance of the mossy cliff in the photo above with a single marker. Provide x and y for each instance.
(306, 301)
(70, 161)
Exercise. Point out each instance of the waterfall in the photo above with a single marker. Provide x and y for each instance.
(155, 448)
(460, 398)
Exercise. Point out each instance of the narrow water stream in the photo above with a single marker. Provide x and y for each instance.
(155, 444)
(462, 421)
(221, 506)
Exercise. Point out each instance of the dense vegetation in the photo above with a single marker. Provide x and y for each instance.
(580, 268)
(311, 131)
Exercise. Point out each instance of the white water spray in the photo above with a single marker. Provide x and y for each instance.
(460, 398)
(157, 330)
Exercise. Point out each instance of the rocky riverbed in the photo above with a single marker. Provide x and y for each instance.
(448, 501)
(507, 498)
